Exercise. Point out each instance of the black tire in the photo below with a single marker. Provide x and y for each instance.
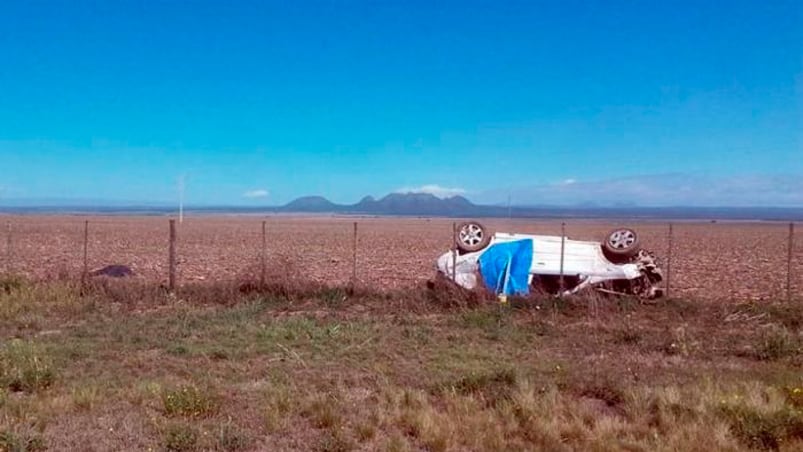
(472, 236)
(621, 244)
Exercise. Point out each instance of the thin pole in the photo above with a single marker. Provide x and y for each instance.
(454, 252)
(85, 271)
(562, 253)
(354, 258)
(669, 260)
(263, 265)
(789, 262)
(172, 257)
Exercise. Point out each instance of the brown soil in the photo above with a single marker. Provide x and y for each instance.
(721, 261)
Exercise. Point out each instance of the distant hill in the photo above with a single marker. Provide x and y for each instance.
(311, 204)
(415, 204)
(392, 204)
(411, 204)
(425, 204)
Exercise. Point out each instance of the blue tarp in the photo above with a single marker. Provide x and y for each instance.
(505, 267)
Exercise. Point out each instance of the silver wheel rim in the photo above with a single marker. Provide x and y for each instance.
(471, 234)
(622, 239)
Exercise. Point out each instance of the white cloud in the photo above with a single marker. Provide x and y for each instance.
(434, 189)
(256, 194)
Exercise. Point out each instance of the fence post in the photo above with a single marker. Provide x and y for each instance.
(262, 257)
(354, 259)
(85, 271)
(9, 267)
(669, 261)
(171, 284)
(562, 284)
(789, 262)
(454, 251)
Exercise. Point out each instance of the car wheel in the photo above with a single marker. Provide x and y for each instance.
(621, 244)
(472, 236)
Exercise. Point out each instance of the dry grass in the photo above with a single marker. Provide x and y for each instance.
(249, 367)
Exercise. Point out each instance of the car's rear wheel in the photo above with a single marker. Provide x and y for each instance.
(472, 236)
(621, 244)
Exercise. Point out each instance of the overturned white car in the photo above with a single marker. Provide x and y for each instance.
(513, 263)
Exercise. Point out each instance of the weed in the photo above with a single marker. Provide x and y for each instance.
(493, 387)
(794, 397)
(291, 330)
(397, 443)
(11, 441)
(219, 355)
(84, 398)
(682, 307)
(11, 283)
(335, 441)
(324, 412)
(24, 366)
(764, 430)
(278, 406)
(626, 335)
(230, 438)
(485, 319)
(30, 305)
(282, 279)
(365, 431)
(421, 335)
(605, 390)
(129, 293)
(777, 343)
(188, 401)
(678, 342)
(180, 438)
(789, 315)
(332, 297)
(444, 293)
(178, 350)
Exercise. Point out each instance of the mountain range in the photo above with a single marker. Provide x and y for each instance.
(392, 204)
(424, 204)
(417, 204)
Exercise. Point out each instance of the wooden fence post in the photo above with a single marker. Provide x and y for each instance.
(562, 283)
(171, 285)
(669, 261)
(454, 251)
(354, 259)
(262, 257)
(9, 266)
(790, 251)
(85, 270)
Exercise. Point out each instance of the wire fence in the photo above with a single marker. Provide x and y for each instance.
(714, 261)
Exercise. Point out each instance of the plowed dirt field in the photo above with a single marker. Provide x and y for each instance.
(711, 261)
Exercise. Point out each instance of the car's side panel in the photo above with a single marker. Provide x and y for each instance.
(582, 258)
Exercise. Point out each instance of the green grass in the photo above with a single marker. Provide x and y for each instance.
(11, 441)
(189, 401)
(329, 369)
(25, 366)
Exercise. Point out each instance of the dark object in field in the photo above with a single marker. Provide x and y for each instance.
(114, 271)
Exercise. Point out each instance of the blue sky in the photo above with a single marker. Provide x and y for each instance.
(260, 102)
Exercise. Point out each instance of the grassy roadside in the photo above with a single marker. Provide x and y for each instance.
(128, 367)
